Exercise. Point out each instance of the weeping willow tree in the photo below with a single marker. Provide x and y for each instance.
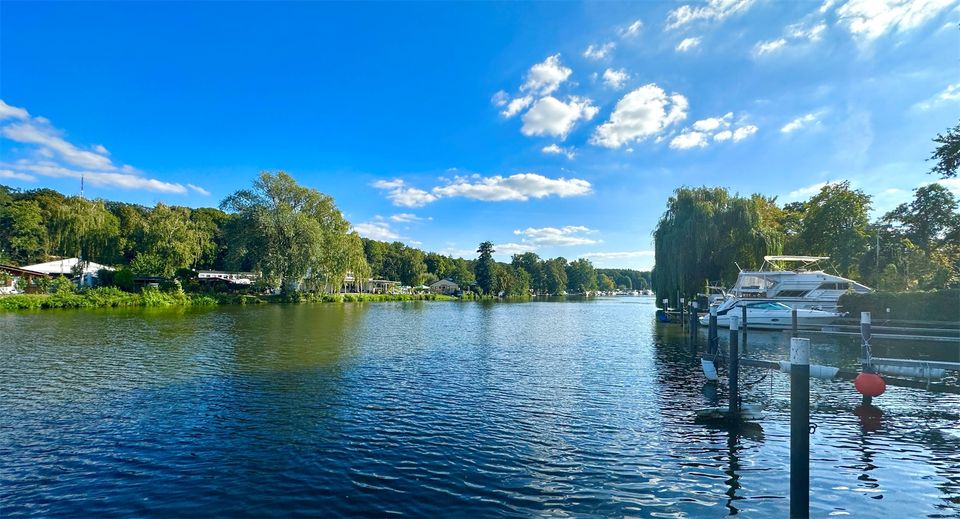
(706, 233)
(83, 228)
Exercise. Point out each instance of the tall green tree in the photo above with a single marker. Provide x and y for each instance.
(555, 276)
(22, 234)
(581, 277)
(947, 153)
(485, 268)
(282, 228)
(85, 229)
(173, 238)
(926, 220)
(835, 224)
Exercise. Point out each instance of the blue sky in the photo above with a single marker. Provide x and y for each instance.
(555, 127)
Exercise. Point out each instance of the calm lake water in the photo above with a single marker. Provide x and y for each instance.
(432, 409)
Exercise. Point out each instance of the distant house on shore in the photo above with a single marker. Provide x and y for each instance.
(74, 268)
(8, 282)
(444, 286)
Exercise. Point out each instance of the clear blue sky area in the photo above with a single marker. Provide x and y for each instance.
(555, 127)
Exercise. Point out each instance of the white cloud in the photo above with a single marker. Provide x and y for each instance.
(513, 248)
(618, 254)
(688, 44)
(401, 195)
(814, 32)
(868, 20)
(544, 78)
(6, 173)
(712, 123)
(567, 236)
(724, 135)
(951, 93)
(554, 149)
(689, 139)
(719, 128)
(516, 106)
(12, 112)
(632, 30)
(953, 184)
(743, 132)
(766, 47)
(801, 122)
(518, 187)
(642, 113)
(550, 116)
(806, 192)
(501, 98)
(615, 78)
(407, 218)
(48, 154)
(714, 10)
(597, 52)
(198, 189)
(377, 230)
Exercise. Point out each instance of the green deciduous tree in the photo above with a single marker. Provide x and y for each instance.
(22, 233)
(835, 224)
(947, 153)
(485, 268)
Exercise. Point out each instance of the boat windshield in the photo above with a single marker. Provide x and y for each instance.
(768, 305)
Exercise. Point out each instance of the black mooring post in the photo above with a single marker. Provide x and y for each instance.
(866, 356)
(799, 427)
(743, 326)
(793, 322)
(682, 322)
(734, 368)
(712, 338)
(693, 324)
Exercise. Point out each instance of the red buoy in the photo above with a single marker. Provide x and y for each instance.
(869, 384)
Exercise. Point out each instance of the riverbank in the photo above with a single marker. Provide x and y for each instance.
(109, 297)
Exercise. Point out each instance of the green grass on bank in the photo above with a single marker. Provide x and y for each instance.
(111, 297)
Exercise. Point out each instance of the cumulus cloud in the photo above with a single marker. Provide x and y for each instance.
(640, 114)
(632, 30)
(597, 52)
(804, 121)
(868, 20)
(688, 44)
(615, 78)
(551, 117)
(377, 230)
(554, 149)
(951, 93)
(518, 187)
(720, 129)
(793, 34)
(544, 78)
(689, 139)
(405, 196)
(714, 10)
(49, 154)
(567, 236)
(516, 106)
(513, 248)
(807, 191)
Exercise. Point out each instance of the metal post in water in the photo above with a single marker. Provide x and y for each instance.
(793, 322)
(743, 326)
(712, 337)
(693, 324)
(866, 355)
(682, 324)
(734, 368)
(799, 427)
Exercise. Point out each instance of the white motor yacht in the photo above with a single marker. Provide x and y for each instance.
(805, 286)
(768, 315)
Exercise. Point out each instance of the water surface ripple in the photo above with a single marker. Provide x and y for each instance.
(431, 409)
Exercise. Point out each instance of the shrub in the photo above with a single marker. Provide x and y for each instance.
(935, 305)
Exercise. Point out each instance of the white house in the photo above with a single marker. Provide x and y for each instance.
(236, 278)
(71, 268)
(444, 286)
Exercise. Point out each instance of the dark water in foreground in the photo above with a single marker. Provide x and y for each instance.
(430, 409)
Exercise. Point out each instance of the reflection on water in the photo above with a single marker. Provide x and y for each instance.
(428, 408)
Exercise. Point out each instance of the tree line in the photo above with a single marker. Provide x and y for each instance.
(294, 236)
(707, 233)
